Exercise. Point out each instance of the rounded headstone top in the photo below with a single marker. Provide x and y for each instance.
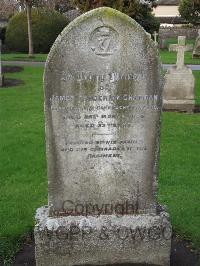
(101, 18)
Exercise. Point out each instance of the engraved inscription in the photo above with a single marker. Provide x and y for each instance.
(104, 41)
(98, 115)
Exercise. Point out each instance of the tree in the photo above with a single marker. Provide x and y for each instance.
(46, 26)
(28, 4)
(190, 11)
(141, 11)
(59, 5)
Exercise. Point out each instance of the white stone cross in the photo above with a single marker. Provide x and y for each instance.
(155, 34)
(180, 48)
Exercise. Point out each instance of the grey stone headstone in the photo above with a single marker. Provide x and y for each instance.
(179, 82)
(103, 100)
(196, 51)
(155, 35)
(162, 44)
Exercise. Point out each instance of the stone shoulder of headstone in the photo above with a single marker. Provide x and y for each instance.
(183, 69)
(110, 12)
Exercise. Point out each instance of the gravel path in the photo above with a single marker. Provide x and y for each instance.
(26, 63)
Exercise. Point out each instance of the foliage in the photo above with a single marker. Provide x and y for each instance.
(140, 11)
(190, 11)
(59, 5)
(46, 25)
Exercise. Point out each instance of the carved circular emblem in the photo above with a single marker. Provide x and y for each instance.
(104, 41)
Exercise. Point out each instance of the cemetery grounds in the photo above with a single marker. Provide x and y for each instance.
(23, 183)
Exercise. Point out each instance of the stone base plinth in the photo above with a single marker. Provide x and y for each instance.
(179, 105)
(107, 239)
(178, 91)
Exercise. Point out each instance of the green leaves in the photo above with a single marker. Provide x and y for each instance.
(190, 11)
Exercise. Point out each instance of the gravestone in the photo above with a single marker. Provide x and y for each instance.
(196, 51)
(103, 101)
(181, 41)
(162, 43)
(1, 75)
(179, 83)
(155, 35)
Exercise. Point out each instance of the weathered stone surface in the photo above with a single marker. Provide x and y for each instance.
(196, 51)
(103, 99)
(155, 35)
(179, 90)
(107, 239)
(162, 43)
(179, 83)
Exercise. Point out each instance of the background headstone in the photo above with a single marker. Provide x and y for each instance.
(1, 74)
(155, 35)
(196, 51)
(103, 100)
(162, 43)
(181, 42)
(179, 83)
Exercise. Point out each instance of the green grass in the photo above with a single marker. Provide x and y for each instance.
(23, 183)
(175, 40)
(166, 56)
(24, 57)
(170, 57)
(179, 181)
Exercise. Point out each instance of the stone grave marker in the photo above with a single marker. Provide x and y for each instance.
(179, 83)
(162, 43)
(103, 101)
(1, 74)
(155, 35)
(196, 51)
(181, 42)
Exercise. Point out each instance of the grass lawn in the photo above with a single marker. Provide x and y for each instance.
(175, 40)
(166, 57)
(179, 182)
(170, 57)
(23, 183)
(24, 57)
